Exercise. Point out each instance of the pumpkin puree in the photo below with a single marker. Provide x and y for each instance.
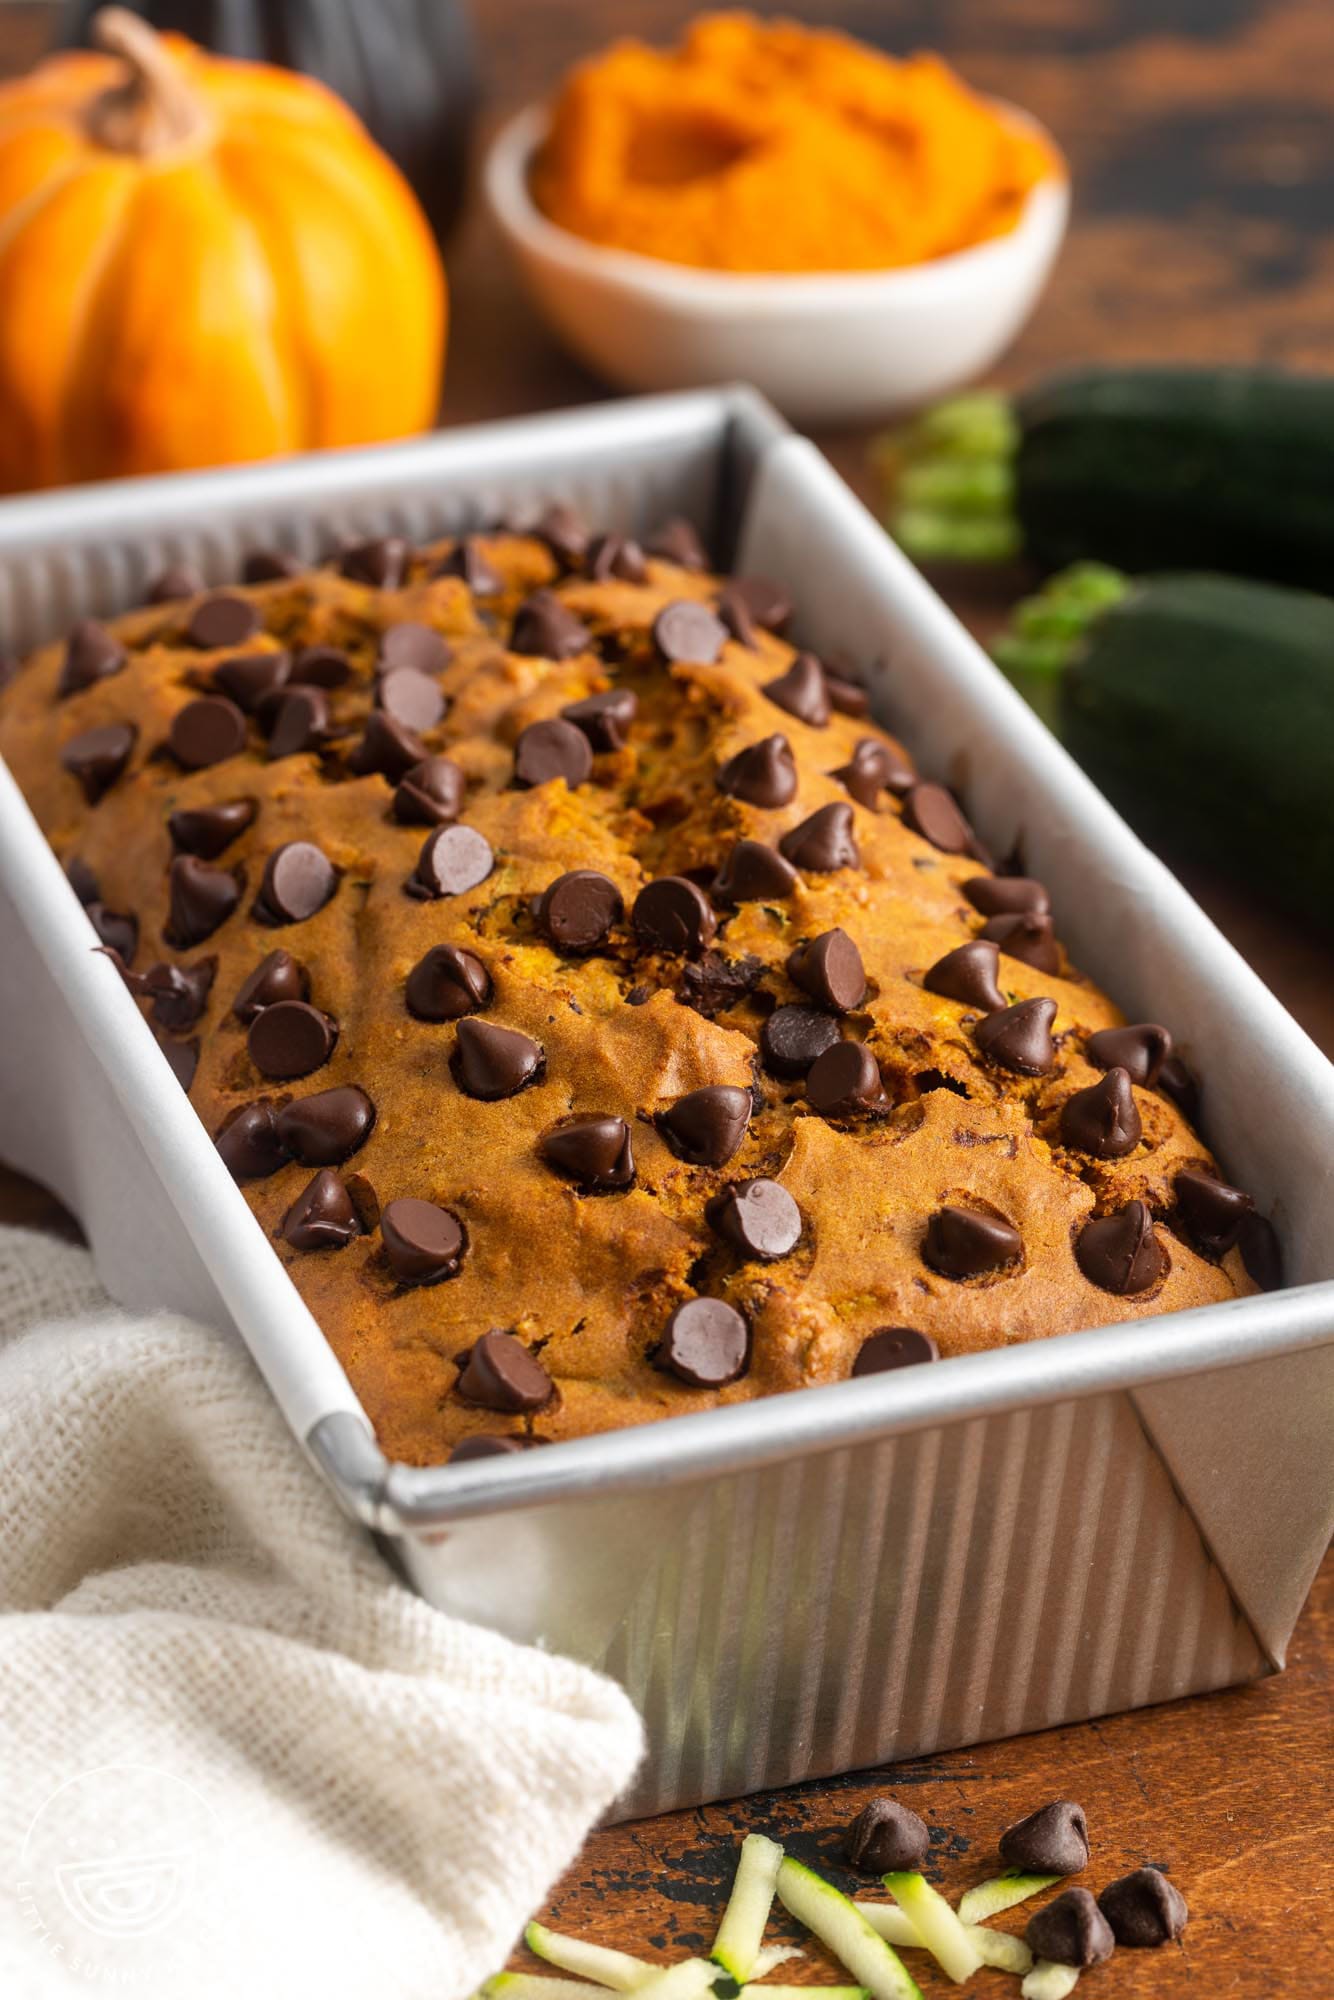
(765, 146)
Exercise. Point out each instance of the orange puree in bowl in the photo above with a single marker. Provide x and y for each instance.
(765, 146)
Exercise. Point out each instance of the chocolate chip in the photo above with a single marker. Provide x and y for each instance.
(1006, 895)
(767, 602)
(176, 581)
(299, 879)
(277, 977)
(872, 769)
(759, 1218)
(1210, 1212)
(885, 1837)
(712, 983)
(754, 873)
(430, 794)
(269, 566)
(388, 747)
(763, 774)
(410, 699)
(200, 898)
(492, 1062)
(423, 1242)
(595, 1152)
(91, 654)
(823, 842)
(1140, 1050)
(687, 630)
(182, 1058)
(605, 719)
(118, 930)
(250, 678)
(552, 749)
(706, 1126)
(1019, 1038)
(1027, 936)
(446, 984)
(894, 1347)
(847, 697)
(677, 542)
(1121, 1253)
(706, 1343)
(178, 994)
(793, 1037)
(845, 1081)
(291, 1038)
(208, 831)
(546, 629)
(466, 561)
(830, 969)
(637, 996)
(99, 756)
(206, 731)
(616, 556)
(326, 1128)
(381, 562)
(563, 530)
(673, 914)
(1054, 1840)
(412, 644)
(967, 1242)
(222, 619)
(297, 720)
(1260, 1250)
(482, 1445)
(578, 909)
(248, 1142)
(802, 691)
(931, 811)
(1071, 1931)
(1175, 1081)
(502, 1375)
(323, 1216)
(968, 974)
(734, 614)
(1103, 1119)
(82, 880)
(1144, 1909)
(453, 859)
(322, 667)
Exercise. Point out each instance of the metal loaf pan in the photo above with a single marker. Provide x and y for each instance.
(819, 1581)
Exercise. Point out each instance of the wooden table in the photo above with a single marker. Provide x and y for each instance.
(1199, 136)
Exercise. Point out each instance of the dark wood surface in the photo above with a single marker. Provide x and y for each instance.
(1201, 139)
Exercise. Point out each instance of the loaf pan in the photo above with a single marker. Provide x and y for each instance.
(813, 1582)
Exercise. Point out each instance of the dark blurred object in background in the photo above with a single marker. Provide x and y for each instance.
(408, 68)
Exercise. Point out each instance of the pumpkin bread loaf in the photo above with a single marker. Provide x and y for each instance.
(602, 1019)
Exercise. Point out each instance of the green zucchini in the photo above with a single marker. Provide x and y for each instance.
(1204, 707)
(1149, 468)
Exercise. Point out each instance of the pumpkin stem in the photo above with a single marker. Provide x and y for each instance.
(154, 108)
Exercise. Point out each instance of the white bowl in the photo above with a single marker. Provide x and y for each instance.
(833, 347)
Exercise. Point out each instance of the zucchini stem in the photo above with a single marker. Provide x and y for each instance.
(1046, 631)
(948, 481)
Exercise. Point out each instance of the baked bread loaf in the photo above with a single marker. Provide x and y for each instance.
(602, 1019)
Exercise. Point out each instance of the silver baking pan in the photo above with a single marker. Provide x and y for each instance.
(818, 1581)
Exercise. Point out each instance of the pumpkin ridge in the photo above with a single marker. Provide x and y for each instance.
(288, 341)
(49, 465)
(95, 275)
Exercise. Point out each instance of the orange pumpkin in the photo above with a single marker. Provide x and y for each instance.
(201, 261)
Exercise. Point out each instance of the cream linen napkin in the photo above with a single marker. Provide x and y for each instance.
(237, 1757)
